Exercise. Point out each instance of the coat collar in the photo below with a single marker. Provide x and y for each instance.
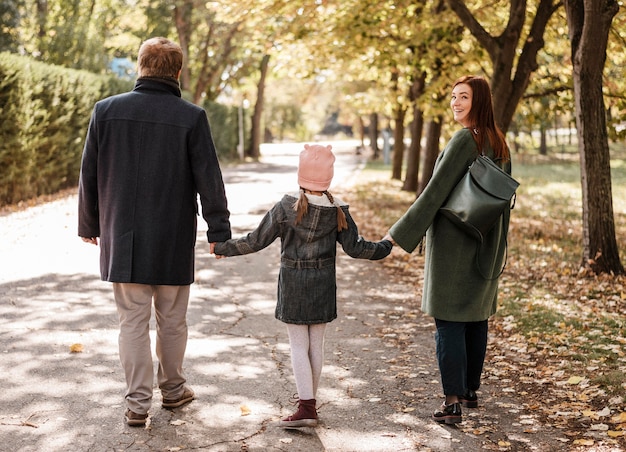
(162, 84)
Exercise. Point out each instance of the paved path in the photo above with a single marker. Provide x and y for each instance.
(238, 355)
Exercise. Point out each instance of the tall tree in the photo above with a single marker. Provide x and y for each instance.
(212, 40)
(512, 66)
(589, 22)
(433, 134)
(416, 127)
(256, 136)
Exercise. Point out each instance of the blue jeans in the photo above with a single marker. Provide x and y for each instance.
(461, 348)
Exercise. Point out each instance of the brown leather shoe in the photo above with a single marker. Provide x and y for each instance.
(188, 396)
(135, 419)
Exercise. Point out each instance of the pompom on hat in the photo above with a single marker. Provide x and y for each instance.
(315, 171)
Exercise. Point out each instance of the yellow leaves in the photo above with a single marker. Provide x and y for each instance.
(574, 380)
(615, 434)
(584, 442)
(76, 348)
(619, 418)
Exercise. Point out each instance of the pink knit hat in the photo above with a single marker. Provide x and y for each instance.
(315, 171)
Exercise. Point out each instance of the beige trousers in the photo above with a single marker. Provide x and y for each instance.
(134, 308)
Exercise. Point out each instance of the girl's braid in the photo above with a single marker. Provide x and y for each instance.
(342, 223)
(301, 206)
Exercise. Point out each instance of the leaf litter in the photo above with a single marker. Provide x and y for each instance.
(557, 343)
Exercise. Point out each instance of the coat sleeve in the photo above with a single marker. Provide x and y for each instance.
(450, 167)
(208, 180)
(355, 246)
(263, 236)
(88, 212)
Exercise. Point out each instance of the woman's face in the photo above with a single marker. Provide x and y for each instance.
(461, 103)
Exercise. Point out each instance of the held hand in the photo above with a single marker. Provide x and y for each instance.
(92, 240)
(212, 251)
(390, 238)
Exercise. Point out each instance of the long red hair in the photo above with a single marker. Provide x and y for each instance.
(481, 117)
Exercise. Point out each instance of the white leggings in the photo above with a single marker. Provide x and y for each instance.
(307, 357)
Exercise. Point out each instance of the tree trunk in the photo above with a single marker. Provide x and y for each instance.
(416, 126)
(42, 19)
(543, 142)
(255, 142)
(589, 22)
(433, 133)
(182, 20)
(361, 133)
(413, 158)
(212, 68)
(373, 132)
(398, 142)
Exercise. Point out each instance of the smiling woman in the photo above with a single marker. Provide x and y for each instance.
(459, 296)
(461, 103)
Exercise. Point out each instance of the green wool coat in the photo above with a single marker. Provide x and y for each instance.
(454, 288)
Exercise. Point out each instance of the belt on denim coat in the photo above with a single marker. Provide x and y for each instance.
(311, 263)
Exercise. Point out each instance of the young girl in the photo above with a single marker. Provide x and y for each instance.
(309, 225)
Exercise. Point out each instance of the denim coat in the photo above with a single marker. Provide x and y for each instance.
(454, 288)
(147, 156)
(307, 289)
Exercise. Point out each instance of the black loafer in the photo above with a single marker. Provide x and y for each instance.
(469, 399)
(448, 414)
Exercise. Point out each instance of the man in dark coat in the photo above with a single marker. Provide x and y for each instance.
(147, 156)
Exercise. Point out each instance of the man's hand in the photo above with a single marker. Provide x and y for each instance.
(92, 240)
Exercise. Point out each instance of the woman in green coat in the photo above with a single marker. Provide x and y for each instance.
(461, 274)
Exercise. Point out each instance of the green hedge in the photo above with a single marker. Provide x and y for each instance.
(224, 122)
(44, 114)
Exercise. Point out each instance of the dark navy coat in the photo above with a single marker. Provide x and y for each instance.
(147, 156)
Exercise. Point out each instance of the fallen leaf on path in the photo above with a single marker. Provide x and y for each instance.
(574, 380)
